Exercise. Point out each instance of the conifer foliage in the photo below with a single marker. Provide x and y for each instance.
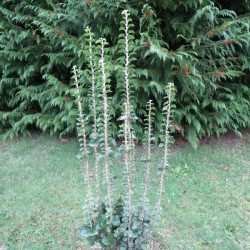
(200, 45)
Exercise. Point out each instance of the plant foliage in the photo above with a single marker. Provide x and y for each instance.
(116, 235)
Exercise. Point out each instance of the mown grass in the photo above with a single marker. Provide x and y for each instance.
(205, 206)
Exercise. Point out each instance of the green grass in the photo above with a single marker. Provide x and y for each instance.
(205, 206)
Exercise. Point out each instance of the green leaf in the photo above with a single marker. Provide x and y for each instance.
(87, 232)
(92, 240)
(108, 239)
(105, 223)
(116, 220)
(131, 234)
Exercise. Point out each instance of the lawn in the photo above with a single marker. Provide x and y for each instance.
(205, 206)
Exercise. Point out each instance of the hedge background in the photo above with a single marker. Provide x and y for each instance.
(202, 46)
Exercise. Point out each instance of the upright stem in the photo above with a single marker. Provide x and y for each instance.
(127, 166)
(165, 162)
(94, 114)
(126, 76)
(105, 115)
(148, 156)
(128, 140)
(89, 197)
(93, 81)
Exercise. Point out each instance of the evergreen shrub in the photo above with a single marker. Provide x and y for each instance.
(200, 45)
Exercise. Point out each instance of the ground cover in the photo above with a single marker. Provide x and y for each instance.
(205, 206)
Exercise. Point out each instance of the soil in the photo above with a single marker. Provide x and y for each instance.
(227, 139)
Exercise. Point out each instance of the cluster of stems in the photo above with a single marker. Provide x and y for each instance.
(128, 132)
(85, 149)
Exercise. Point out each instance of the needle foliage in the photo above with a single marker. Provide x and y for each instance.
(200, 45)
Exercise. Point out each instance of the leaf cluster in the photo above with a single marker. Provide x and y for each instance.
(117, 234)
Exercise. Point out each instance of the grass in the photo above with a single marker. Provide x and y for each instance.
(205, 206)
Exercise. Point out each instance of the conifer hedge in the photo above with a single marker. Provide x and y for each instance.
(200, 45)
